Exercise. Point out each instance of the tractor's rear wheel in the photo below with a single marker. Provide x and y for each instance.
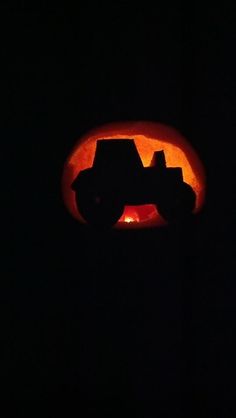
(99, 208)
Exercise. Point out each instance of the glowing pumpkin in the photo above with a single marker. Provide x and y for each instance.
(149, 137)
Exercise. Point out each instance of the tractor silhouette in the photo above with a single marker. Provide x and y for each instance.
(118, 178)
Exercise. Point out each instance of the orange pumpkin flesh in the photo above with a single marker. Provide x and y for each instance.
(149, 137)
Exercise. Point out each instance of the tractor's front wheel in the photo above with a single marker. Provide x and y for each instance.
(177, 204)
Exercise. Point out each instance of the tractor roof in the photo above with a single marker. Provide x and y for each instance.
(116, 152)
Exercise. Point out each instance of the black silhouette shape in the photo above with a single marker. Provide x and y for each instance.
(118, 178)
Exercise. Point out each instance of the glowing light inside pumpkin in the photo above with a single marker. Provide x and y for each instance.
(129, 219)
(129, 215)
(149, 137)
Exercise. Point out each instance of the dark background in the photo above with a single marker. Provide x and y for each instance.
(140, 321)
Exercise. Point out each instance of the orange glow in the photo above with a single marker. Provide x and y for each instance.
(129, 219)
(130, 215)
(149, 137)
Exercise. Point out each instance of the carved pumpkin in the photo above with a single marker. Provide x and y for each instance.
(149, 137)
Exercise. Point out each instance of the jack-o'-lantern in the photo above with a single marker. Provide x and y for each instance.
(161, 153)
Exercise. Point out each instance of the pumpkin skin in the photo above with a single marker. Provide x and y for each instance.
(148, 137)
